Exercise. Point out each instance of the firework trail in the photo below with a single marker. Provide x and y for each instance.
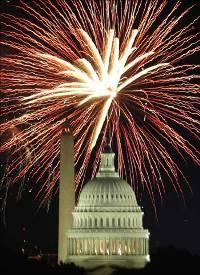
(117, 65)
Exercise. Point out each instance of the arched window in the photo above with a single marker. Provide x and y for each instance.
(119, 224)
(113, 222)
(129, 222)
(107, 222)
(101, 222)
(95, 222)
(124, 222)
(90, 222)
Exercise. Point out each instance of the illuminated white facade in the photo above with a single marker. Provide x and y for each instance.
(107, 223)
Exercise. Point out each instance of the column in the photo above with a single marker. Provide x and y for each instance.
(90, 246)
(129, 246)
(139, 248)
(76, 242)
(142, 246)
(75, 252)
(136, 246)
(95, 246)
(147, 246)
(146, 251)
(125, 247)
(77, 247)
(93, 252)
(122, 246)
(67, 246)
(81, 246)
(98, 246)
(72, 246)
(85, 246)
(114, 246)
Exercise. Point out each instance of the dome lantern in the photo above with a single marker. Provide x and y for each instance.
(107, 166)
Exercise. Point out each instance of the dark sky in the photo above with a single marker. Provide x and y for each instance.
(176, 224)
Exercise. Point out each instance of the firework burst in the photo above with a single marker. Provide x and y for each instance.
(101, 65)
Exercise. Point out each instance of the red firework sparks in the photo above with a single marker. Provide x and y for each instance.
(101, 65)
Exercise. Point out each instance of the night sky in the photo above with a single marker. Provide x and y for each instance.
(176, 223)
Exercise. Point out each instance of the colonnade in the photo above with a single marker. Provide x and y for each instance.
(108, 222)
(91, 246)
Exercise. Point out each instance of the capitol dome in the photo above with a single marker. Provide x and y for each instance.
(107, 222)
(107, 191)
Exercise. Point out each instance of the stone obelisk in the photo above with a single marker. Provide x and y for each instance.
(66, 192)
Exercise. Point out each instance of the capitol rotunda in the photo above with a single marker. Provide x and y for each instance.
(107, 222)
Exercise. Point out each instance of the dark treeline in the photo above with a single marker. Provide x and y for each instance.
(168, 261)
(165, 261)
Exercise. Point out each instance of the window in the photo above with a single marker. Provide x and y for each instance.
(119, 222)
(113, 222)
(107, 222)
